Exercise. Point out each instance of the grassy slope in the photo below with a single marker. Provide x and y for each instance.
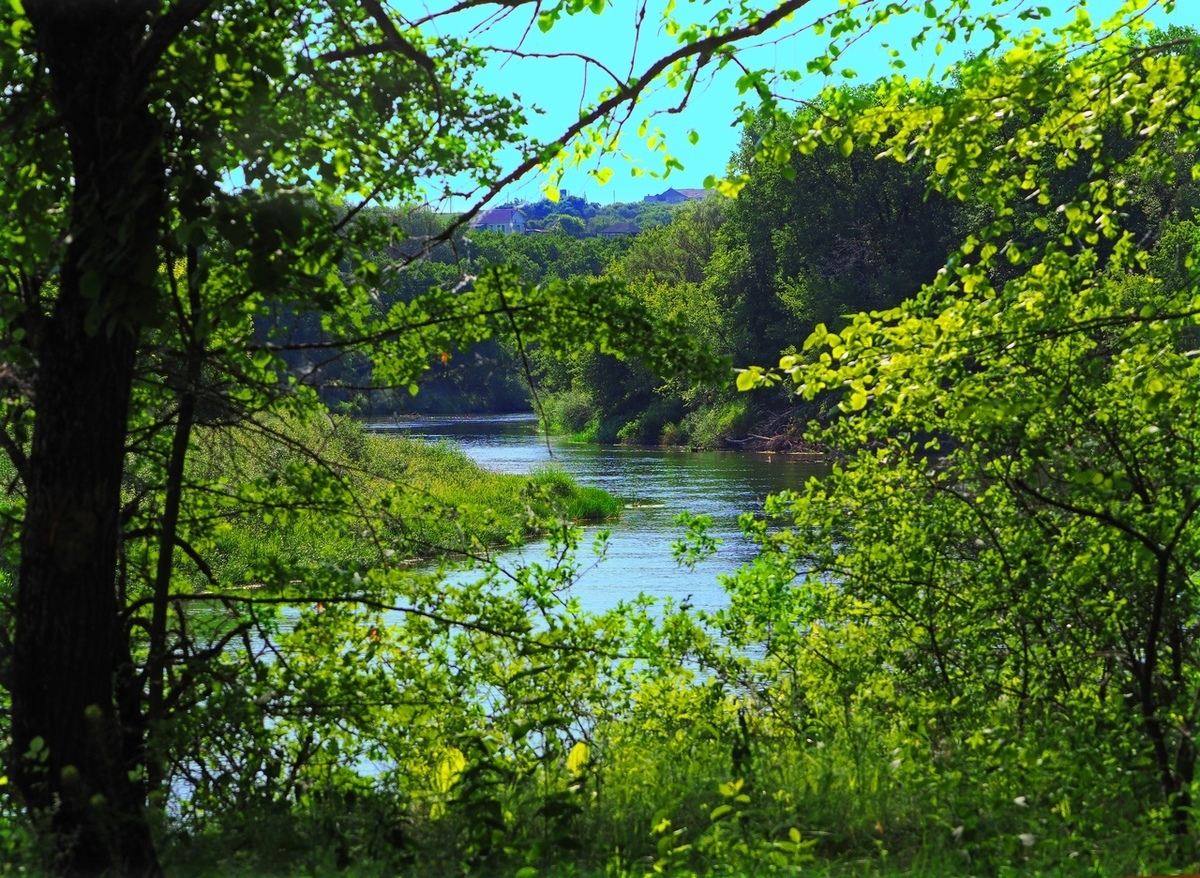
(421, 500)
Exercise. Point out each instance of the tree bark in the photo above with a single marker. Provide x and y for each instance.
(73, 759)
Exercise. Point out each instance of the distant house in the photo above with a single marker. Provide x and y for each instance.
(506, 220)
(678, 196)
(615, 231)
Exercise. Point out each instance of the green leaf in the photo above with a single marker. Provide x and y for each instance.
(577, 759)
(719, 812)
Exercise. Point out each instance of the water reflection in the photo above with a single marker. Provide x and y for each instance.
(654, 484)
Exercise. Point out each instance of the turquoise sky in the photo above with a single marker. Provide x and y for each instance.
(558, 86)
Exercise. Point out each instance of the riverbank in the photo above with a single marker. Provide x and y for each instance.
(736, 424)
(774, 778)
(295, 504)
(655, 485)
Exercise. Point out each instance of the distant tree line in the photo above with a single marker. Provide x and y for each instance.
(814, 236)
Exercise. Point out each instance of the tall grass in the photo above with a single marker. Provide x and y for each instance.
(578, 503)
(650, 785)
(357, 497)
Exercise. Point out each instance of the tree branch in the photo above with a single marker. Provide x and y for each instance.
(628, 92)
(523, 638)
(164, 32)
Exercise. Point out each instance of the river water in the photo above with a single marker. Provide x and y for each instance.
(653, 484)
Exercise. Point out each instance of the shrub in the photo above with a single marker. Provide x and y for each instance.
(706, 427)
(570, 411)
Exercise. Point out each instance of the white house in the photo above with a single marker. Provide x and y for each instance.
(506, 220)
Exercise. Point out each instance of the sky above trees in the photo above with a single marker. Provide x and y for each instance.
(559, 86)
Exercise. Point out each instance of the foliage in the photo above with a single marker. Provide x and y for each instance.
(544, 213)
(486, 376)
(823, 234)
(436, 500)
(217, 645)
(628, 402)
(188, 250)
(1002, 574)
(814, 235)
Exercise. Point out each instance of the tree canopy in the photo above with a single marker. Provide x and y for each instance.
(1006, 561)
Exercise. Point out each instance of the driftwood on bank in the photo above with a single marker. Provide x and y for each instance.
(780, 433)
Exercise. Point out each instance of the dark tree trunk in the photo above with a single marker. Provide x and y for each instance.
(79, 772)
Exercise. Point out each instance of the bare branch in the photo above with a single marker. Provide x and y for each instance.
(627, 93)
(587, 60)
(528, 639)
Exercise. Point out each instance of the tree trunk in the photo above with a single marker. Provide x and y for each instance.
(79, 772)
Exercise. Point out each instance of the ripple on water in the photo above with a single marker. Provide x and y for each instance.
(654, 485)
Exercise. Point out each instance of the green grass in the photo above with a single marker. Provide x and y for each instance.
(372, 496)
(576, 502)
(669, 759)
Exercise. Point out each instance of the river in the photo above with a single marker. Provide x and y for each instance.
(654, 484)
